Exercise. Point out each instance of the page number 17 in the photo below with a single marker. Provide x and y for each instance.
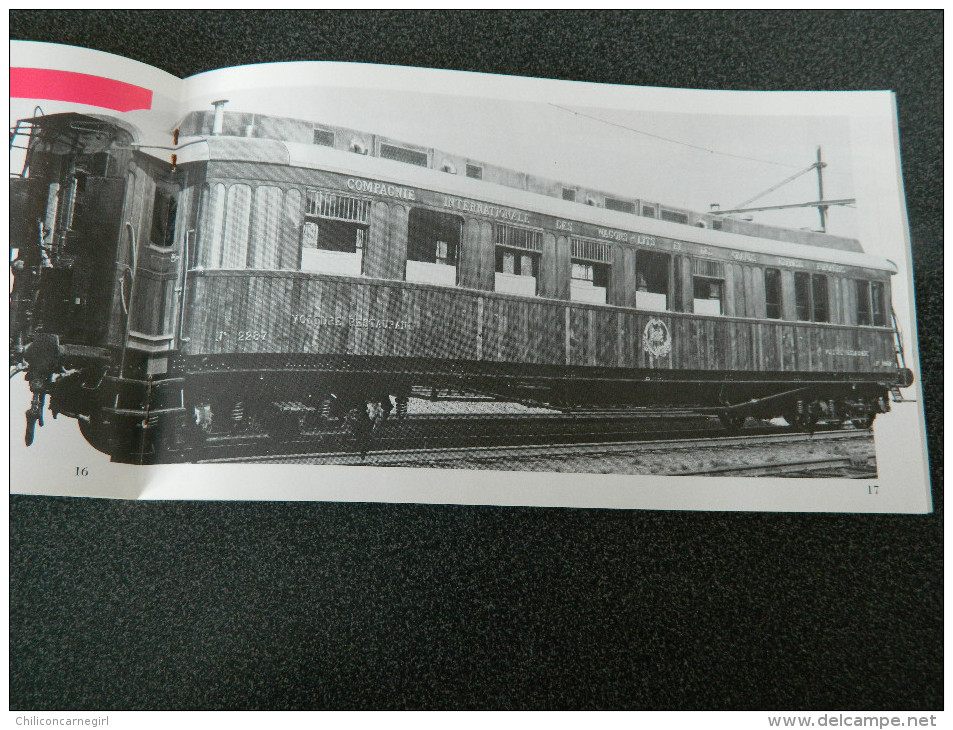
(873, 489)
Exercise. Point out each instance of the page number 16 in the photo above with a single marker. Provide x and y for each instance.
(82, 471)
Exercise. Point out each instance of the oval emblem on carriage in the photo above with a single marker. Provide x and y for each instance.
(656, 339)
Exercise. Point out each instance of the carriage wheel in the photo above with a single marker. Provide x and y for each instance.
(362, 421)
(863, 420)
(732, 421)
(800, 421)
(120, 444)
(99, 435)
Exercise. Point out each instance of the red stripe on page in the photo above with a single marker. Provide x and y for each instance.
(44, 83)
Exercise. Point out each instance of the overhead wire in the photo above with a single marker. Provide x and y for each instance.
(672, 140)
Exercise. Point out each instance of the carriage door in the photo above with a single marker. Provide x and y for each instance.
(157, 271)
(87, 233)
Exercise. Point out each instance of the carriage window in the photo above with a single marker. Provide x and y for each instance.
(193, 254)
(678, 285)
(648, 211)
(674, 216)
(772, 293)
(475, 171)
(590, 271)
(819, 298)
(877, 304)
(590, 282)
(517, 260)
(404, 154)
(569, 194)
(870, 303)
(863, 301)
(323, 137)
(802, 295)
(162, 233)
(652, 271)
(810, 293)
(623, 206)
(433, 244)
(334, 233)
(212, 226)
(708, 286)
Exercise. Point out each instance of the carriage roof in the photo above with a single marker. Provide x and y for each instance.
(309, 156)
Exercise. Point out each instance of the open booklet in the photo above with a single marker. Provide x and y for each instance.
(329, 281)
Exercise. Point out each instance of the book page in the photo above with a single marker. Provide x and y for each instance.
(387, 284)
(99, 89)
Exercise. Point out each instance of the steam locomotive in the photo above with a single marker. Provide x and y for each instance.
(279, 274)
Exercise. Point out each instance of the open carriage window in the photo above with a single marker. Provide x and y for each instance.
(652, 272)
(708, 284)
(433, 245)
(590, 271)
(334, 233)
(517, 260)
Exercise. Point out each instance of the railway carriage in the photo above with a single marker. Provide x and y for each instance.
(284, 273)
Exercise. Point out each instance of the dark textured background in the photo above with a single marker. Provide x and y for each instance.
(205, 605)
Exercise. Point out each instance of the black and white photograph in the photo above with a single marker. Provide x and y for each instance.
(329, 265)
(486, 360)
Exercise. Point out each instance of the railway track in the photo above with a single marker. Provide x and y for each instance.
(564, 457)
(837, 466)
(467, 431)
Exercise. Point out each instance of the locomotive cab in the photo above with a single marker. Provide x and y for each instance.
(66, 207)
(65, 213)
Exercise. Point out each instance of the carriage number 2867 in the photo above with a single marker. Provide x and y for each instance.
(245, 335)
(252, 335)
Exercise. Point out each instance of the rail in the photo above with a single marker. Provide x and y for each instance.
(837, 465)
(397, 451)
